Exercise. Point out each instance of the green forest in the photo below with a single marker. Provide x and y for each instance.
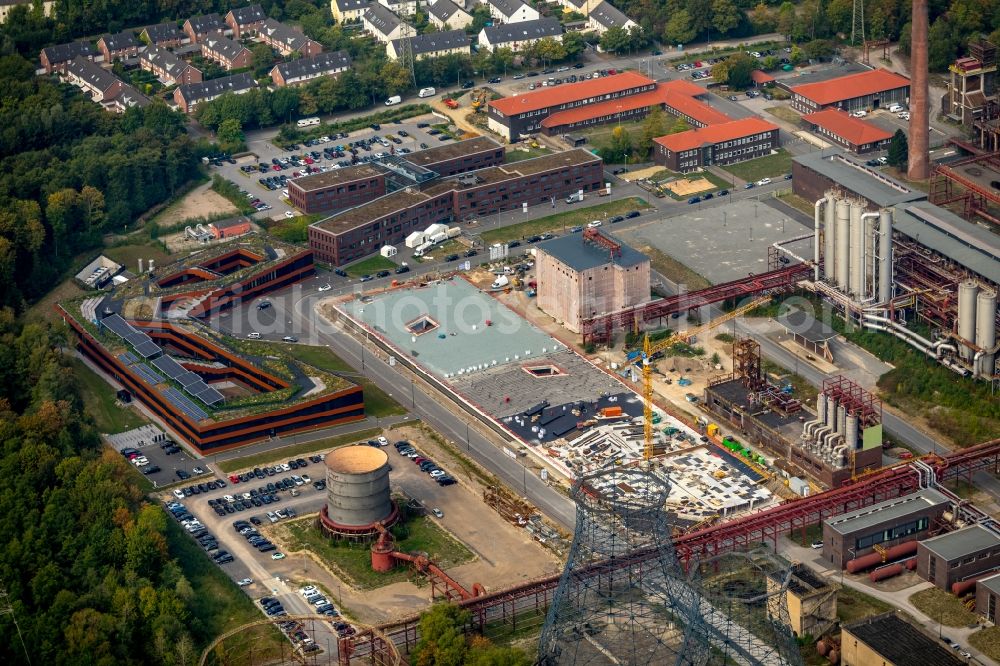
(87, 567)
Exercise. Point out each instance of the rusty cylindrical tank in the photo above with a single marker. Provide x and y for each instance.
(834, 656)
(822, 647)
(888, 571)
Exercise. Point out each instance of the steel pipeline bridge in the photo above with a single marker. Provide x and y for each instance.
(512, 605)
(600, 328)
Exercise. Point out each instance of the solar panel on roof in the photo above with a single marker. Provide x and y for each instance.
(147, 374)
(211, 396)
(188, 378)
(128, 358)
(117, 325)
(136, 339)
(169, 367)
(183, 403)
(148, 349)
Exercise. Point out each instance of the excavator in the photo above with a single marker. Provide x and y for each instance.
(649, 350)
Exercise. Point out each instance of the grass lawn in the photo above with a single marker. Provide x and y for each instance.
(221, 604)
(768, 166)
(570, 218)
(518, 154)
(44, 309)
(600, 135)
(853, 605)
(377, 402)
(297, 450)
(786, 113)
(292, 230)
(943, 607)
(798, 203)
(129, 255)
(99, 402)
(420, 533)
(665, 265)
(370, 266)
(987, 641)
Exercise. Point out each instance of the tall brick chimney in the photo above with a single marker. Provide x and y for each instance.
(919, 160)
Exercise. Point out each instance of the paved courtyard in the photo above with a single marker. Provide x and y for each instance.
(723, 243)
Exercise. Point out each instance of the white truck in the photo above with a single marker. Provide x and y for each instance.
(501, 282)
(454, 232)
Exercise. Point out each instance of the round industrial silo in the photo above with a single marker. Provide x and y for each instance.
(885, 256)
(967, 291)
(986, 329)
(829, 236)
(857, 270)
(357, 493)
(843, 254)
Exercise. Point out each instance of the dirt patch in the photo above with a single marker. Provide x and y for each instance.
(202, 201)
(648, 172)
(683, 187)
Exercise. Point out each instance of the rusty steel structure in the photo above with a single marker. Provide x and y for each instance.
(509, 607)
(975, 197)
(595, 237)
(601, 328)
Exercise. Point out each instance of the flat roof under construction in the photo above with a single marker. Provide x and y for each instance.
(451, 328)
(887, 511)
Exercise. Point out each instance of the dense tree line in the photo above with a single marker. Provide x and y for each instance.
(85, 564)
(443, 642)
(70, 172)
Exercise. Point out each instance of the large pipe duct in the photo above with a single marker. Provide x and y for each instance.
(919, 159)
(967, 291)
(829, 235)
(843, 254)
(885, 256)
(842, 420)
(986, 331)
(851, 438)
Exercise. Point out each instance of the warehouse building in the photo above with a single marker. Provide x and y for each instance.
(725, 143)
(874, 89)
(584, 275)
(337, 189)
(886, 524)
(889, 640)
(958, 558)
(843, 129)
(360, 231)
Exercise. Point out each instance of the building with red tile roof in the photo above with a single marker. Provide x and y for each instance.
(846, 131)
(625, 96)
(864, 90)
(723, 143)
(761, 78)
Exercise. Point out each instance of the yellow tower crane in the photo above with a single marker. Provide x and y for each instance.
(649, 350)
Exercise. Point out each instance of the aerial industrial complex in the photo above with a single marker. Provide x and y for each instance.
(641, 471)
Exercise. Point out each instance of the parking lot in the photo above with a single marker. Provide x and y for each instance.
(287, 160)
(162, 460)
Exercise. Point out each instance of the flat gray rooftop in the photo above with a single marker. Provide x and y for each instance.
(510, 389)
(823, 74)
(806, 325)
(992, 583)
(968, 244)
(721, 243)
(887, 511)
(966, 541)
(856, 177)
(581, 255)
(457, 338)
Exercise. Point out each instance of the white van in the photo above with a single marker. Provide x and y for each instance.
(395, 99)
(895, 108)
(307, 122)
(427, 92)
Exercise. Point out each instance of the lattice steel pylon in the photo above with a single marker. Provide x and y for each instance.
(858, 22)
(606, 612)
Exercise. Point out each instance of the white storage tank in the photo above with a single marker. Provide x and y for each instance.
(986, 331)
(967, 292)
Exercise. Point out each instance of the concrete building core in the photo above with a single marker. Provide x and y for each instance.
(357, 492)
(584, 275)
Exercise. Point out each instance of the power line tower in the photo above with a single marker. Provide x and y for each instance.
(7, 609)
(408, 30)
(858, 23)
